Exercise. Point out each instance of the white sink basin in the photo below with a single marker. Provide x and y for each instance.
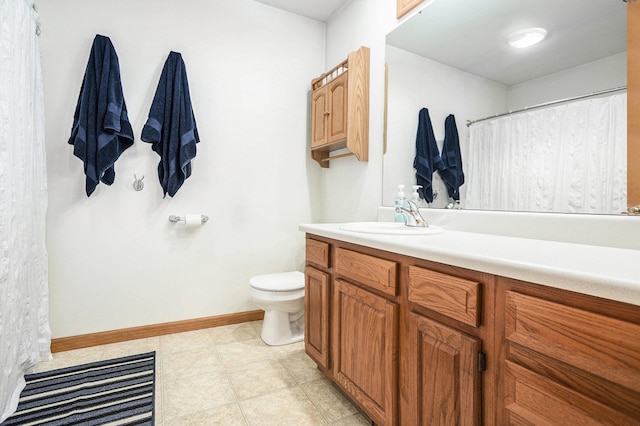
(390, 228)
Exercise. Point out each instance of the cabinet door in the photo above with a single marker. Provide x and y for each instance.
(445, 366)
(319, 117)
(316, 301)
(365, 349)
(337, 119)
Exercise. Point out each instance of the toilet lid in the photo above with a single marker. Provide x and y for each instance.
(285, 281)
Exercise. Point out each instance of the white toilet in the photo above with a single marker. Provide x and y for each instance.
(281, 296)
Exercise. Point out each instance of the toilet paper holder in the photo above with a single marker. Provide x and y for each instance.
(175, 218)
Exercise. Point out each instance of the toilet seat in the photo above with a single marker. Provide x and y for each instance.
(282, 282)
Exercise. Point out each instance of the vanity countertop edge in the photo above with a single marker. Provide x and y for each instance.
(606, 272)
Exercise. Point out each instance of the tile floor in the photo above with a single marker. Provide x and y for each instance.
(228, 376)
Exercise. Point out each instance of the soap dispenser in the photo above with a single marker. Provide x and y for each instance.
(401, 201)
(415, 197)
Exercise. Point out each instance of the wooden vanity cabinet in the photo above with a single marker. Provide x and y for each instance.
(352, 323)
(317, 315)
(405, 335)
(415, 342)
(566, 358)
(442, 352)
(316, 302)
(443, 368)
(364, 332)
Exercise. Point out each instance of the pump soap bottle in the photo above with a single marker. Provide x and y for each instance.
(415, 197)
(401, 202)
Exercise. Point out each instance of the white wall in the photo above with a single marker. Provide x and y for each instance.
(115, 261)
(352, 190)
(415, 83)
(603, 74)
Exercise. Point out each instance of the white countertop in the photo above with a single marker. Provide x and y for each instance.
(611, 273)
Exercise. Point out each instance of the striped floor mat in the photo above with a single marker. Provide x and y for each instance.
(114, 392)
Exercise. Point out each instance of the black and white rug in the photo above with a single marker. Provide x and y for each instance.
(114, 392)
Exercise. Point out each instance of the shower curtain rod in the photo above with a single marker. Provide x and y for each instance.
(559, 101)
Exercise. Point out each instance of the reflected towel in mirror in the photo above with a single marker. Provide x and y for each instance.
(451, 173)
(427, 158)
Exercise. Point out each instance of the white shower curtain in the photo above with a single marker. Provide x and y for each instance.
(24, 326)
(565, 158)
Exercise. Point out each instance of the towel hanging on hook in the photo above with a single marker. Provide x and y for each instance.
(171, 126)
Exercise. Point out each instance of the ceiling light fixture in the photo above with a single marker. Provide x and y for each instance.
(527, 37)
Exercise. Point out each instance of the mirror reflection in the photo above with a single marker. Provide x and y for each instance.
(454, 58)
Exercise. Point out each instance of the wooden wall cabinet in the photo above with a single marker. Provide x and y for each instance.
(414, 342)
(405, 6)
(340, 110)
(329, 113)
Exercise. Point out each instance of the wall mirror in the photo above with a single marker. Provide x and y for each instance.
(454, 58)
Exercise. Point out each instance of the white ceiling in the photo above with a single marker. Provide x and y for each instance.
(472, 35)
(320, 10)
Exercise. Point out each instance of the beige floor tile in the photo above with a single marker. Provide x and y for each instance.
(286, 350)
(259, 378)
(244, 352)
(229, 376)
(158, 406)
(71, 358)
(355, 420)
(227, 415)
(190, 395)
(257, 325)
(331, 403)
(190, 363)
(284, 407)
(131, 347)
(233, 333)
(301, 367)
(188, 341)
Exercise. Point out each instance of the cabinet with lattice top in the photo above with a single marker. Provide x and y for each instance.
(340, 110)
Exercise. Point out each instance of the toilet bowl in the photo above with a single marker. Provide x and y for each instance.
(281, 296)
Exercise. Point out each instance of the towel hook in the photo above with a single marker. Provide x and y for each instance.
(138, 184)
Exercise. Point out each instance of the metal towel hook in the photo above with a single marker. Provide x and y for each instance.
(137, 183)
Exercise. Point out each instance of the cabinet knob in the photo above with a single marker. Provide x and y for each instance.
(326, 113)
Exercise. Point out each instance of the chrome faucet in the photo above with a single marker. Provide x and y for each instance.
(414, 218)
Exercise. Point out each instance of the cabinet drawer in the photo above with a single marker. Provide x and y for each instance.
(605, 347)
(534, 399)
(454, 297)
(318, 252)
(377, 273)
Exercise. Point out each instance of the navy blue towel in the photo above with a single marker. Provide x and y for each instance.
(171, 126)
(427, 158)
(452, 173)
(101, 130)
